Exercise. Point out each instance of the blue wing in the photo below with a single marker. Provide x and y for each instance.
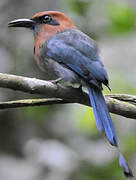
(78, 52)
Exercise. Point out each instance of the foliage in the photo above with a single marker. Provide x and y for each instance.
(122, 18)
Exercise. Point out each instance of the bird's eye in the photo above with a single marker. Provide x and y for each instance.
(47, 19)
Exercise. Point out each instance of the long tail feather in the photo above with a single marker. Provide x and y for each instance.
(104, 123)
(126, 169)
(102, 116)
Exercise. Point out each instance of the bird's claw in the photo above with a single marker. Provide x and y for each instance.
(56, 81)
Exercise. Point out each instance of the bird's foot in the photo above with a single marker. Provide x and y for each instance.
(56, 81)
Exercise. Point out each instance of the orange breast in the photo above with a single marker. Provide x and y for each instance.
(44, 33)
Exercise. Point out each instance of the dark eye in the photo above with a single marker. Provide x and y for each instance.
(47, 19)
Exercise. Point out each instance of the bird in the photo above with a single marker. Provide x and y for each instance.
(65, 53)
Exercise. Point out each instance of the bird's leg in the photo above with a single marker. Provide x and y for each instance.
(56, 81)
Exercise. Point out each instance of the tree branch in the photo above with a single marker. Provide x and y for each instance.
(31, 102)
(120, 104)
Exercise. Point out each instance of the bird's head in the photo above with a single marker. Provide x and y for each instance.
(46, 23)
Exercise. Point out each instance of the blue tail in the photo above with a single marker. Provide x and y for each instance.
(127, 171)
(102, 116)
(104, 123)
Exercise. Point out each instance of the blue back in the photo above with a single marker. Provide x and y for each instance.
(78, 52)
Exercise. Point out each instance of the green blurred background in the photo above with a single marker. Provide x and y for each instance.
(61, 142)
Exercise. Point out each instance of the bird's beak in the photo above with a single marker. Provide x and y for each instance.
(26, 23)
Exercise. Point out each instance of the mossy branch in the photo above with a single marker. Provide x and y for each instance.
(121, 104)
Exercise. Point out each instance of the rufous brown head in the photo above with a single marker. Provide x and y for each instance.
(49, 22)
(44, 25)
